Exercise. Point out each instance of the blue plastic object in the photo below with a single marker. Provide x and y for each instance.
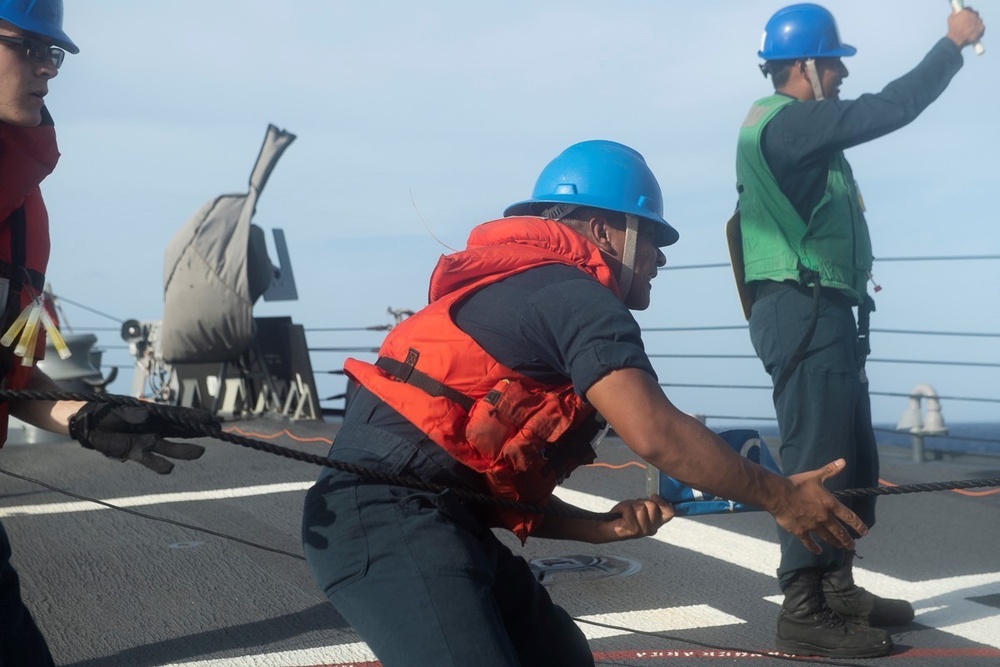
(42, 17)
(603, 174)
(802, 31)
(691, 502)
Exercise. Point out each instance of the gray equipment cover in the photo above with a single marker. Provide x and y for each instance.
(212, 277)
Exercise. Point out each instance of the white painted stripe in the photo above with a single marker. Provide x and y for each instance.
(983, 630)
(945, 605)
(947, 609)
(339, 654)
(751, 553)
(963, 618)
(666, 619)
(158, 499)
(986, 582)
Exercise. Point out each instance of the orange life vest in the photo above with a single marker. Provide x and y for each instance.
(27, 156)
(523, 435)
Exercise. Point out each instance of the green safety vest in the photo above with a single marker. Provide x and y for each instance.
(777, 242)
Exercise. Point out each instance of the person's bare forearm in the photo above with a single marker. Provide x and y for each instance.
(564, 528)
(681, 446)
(636, 518)
(700, 459)
(48, 415)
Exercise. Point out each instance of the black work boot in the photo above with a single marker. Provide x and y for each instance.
(807, 626)
(857, 605)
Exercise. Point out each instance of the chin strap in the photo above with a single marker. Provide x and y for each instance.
(560, 211)
(628, 255)
(814, 79)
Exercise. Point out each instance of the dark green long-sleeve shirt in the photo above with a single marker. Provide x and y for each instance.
(798, 141)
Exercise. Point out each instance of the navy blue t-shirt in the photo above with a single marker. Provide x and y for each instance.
(552, 323)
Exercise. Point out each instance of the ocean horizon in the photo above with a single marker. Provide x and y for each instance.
(961, 437)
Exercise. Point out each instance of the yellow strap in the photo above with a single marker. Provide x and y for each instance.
(14, 329)
(26, 345)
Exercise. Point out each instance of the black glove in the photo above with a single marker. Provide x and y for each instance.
(135, 432)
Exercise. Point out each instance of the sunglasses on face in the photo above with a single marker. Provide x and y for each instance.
(36, 52)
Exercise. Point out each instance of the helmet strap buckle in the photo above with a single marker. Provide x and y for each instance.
(559, 211)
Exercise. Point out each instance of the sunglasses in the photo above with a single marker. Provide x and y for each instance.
(37, 52)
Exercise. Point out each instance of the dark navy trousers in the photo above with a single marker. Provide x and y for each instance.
(21, 643)
(824, 412)
(417, 575)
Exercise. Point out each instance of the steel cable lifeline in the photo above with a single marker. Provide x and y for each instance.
(176, 414)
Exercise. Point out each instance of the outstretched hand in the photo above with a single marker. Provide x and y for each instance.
(812, 510)
(136, 433)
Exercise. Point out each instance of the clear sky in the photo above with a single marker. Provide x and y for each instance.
(418, 120)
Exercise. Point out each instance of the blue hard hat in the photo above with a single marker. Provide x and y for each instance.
(802, 31)
(602, 174)
(41, 17)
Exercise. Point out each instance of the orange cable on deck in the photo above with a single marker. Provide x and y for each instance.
(265, 436)
(616, 467)
(961, 492)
